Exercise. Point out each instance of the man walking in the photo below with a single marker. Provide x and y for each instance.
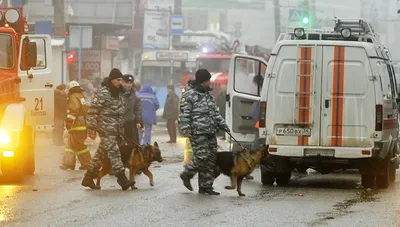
(76, 126)
(199, 120)
(150, 105)
(171, 113)
(106, 116)
(133, 115)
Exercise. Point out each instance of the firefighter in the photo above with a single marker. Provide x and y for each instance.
(76, 126)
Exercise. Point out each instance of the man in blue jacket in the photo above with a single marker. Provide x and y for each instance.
(150, 105)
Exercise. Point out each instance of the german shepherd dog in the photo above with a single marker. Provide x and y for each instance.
(135, 158)
(237, 165)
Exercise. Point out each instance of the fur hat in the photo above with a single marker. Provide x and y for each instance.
(115, 74)
(202, 75)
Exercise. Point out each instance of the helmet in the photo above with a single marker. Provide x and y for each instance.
(73, 84)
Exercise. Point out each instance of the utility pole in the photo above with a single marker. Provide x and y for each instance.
(277, 13)
(313, 14)
(177, 11)
(306, 12)
(59, 18)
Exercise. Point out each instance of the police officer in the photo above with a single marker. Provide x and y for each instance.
(76, 126)
(106, 116)
(199, 120)
(133, 114)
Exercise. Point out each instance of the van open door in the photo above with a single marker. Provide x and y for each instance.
(37, 82)
(243, 93)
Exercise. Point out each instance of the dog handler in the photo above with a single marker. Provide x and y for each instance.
(76, 126)
(106, 116)
(199, 120)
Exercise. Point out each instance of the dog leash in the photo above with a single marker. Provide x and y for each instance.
(230, 135)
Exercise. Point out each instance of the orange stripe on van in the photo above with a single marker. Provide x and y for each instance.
(304, 99)
(337, 96)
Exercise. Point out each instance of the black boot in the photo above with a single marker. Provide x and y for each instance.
(88, 181)
(208, 191)
(249, 177)
(123, 181)
(186, 182)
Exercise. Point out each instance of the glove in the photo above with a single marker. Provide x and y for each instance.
(226, 128)
(68, 123)
(92, 134)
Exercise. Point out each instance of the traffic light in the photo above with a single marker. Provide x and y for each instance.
(306, 17)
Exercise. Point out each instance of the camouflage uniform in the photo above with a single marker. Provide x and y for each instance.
(200, 118)
(106, 116)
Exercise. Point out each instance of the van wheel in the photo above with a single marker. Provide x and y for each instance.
(267, 178)
(368, 181)
(283, 179)
(383, 178)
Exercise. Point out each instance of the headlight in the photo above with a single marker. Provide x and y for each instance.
(8, 154)
(4, 137)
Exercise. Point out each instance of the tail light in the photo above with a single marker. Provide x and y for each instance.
(273, 149)
(366, 152)
(378, 117)
(263, 113)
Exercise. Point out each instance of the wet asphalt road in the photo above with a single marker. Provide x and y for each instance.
(53, 197)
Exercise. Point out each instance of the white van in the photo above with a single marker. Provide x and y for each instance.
(328, 102)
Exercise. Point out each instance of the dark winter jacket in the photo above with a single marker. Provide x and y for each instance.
(133, 108)
(171, 108)
(149, 103)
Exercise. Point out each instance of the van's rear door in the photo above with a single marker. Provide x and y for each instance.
(243, 93)
(348, 97)
(294, 96)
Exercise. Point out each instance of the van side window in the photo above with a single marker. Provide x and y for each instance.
(385, 79)
(391, 68)
(391, 80)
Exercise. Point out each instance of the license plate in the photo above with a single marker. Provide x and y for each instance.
(293, 131)
(319, 152)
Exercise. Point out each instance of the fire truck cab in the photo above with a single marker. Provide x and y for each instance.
(27, 96)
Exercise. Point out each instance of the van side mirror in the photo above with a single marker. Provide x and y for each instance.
(31, 55)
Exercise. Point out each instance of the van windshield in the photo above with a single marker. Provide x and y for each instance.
(6, 51)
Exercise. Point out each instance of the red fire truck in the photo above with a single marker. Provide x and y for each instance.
(216, 61)
(27, 96)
